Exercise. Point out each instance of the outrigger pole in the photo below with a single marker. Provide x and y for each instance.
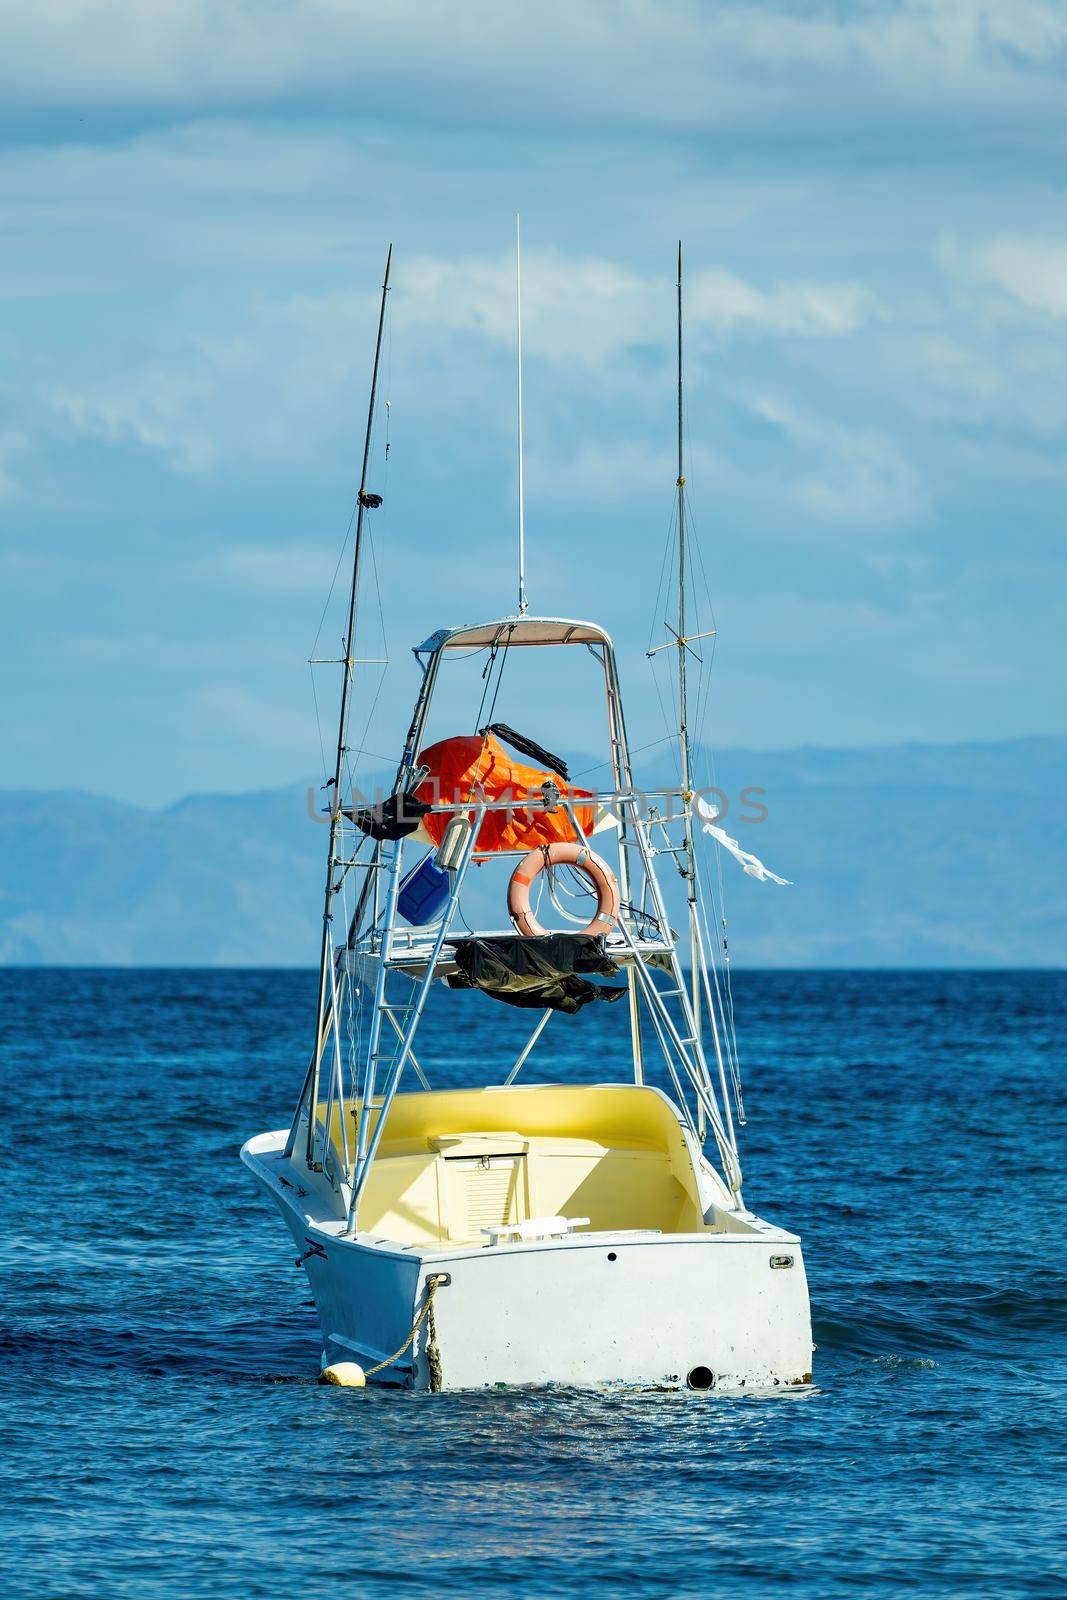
(683, 707)
(366, 501)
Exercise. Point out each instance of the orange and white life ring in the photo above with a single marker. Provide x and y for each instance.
(574, 855)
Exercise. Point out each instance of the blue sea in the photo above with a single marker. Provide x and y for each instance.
(163, 1433)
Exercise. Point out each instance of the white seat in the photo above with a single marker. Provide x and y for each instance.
(535, 1228)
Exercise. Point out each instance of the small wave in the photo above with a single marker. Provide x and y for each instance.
(930, 1318)
(239, 1350)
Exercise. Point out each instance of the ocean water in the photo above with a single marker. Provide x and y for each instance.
(161, 1427)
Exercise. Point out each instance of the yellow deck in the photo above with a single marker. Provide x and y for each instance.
(455, 1162)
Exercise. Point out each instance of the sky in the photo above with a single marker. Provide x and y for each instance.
(196, 201)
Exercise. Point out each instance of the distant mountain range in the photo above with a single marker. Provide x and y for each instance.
(908, 855)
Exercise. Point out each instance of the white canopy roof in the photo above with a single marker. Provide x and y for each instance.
(516, 631)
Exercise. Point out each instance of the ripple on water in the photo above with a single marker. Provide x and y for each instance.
(159, 1357)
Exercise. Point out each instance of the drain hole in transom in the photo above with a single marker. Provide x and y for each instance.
(700, 1378)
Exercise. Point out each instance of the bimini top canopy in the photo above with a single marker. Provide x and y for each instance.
(515, 631)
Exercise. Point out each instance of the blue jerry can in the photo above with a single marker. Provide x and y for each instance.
(423, 892)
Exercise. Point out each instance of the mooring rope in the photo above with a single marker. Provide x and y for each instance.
(433, 1354)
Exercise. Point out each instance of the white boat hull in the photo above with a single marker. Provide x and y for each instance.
(724, 1310)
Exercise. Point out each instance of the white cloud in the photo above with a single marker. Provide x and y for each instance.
(852, 476)
(994, 357)
(721, 300)
(155, 409)
(13, 442)
(612, 472)
(288, 568)
(588, 311)
(270, 389)
(1029, 268)
(253, 716)
(205, 292)
(673, 63)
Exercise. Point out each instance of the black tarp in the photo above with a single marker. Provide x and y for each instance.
(548, 971)
(394, 818)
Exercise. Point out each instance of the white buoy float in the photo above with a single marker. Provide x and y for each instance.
(346, 1374)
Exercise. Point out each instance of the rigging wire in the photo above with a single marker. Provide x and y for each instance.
(318, 631)
(719, 944)
(318, 717)
(556, 887)
(487, 678)
(663, 571)
(651, 745)
(703, 611)
(333, 580)
(718, 940)
(670, 722)
(705, 675)
(672, 736)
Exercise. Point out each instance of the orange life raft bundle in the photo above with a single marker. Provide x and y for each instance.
(475, 766)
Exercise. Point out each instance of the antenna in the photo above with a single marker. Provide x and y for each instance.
(523, 602)
(682, 642)
(683, 708)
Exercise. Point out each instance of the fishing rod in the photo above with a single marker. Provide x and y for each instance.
(365, 502)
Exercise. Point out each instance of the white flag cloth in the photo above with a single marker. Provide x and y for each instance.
(749, 863)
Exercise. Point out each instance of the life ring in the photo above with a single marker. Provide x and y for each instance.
(574, 855)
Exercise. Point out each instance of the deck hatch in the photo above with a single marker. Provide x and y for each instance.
(486, 1191)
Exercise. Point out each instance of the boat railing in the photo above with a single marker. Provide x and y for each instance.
(532, 801)
(642, 939)
(412, 947)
